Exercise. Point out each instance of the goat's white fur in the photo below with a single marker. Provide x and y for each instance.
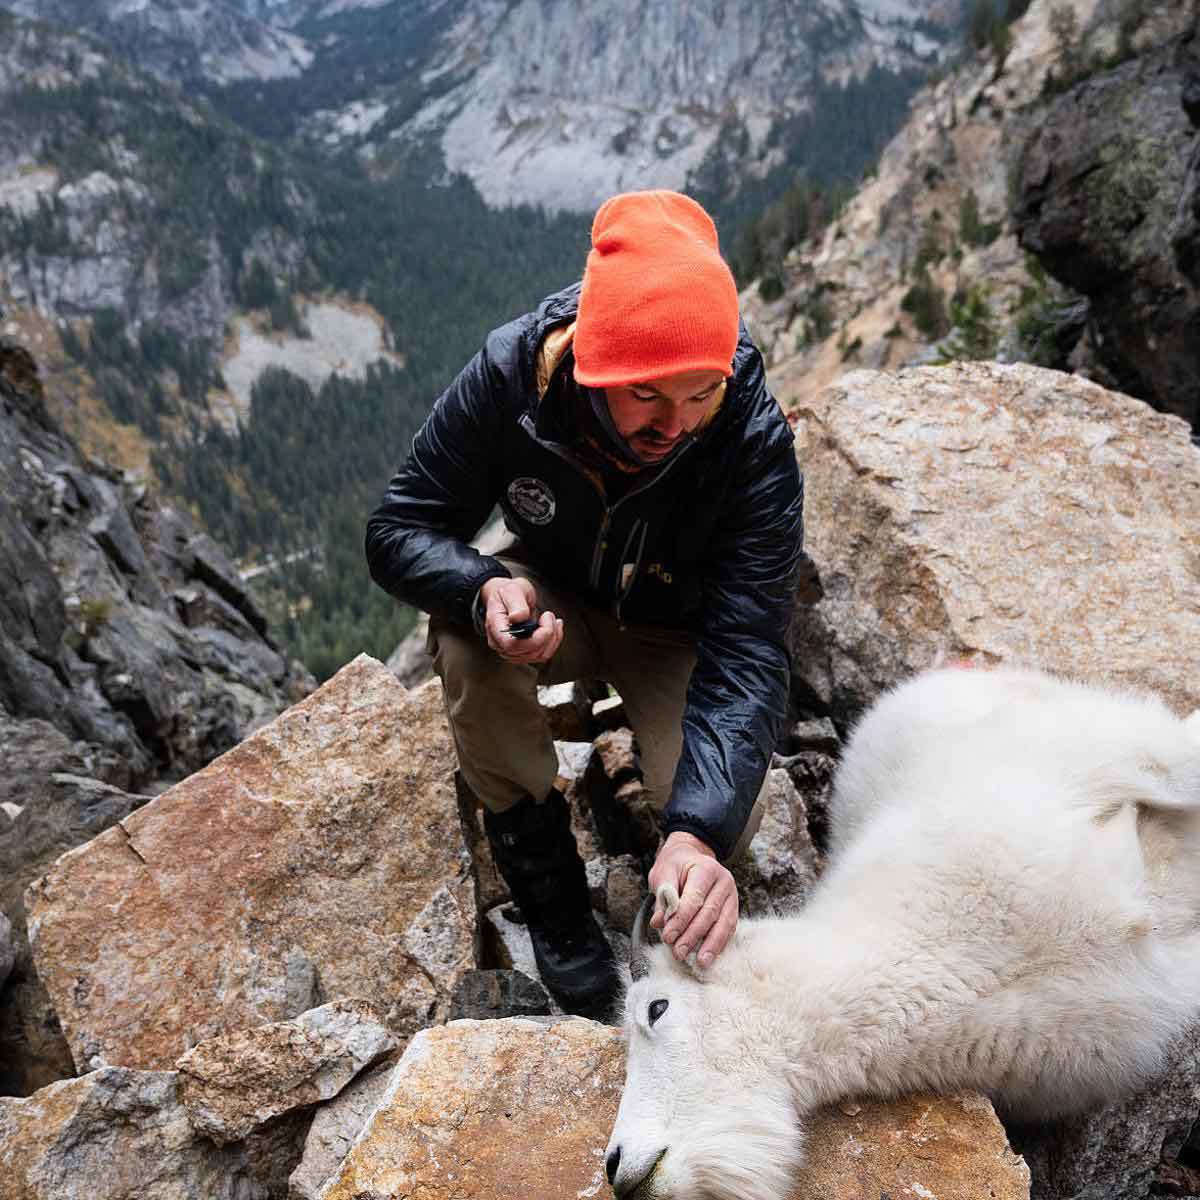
(1012, 904)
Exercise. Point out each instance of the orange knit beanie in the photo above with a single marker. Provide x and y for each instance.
(657, 296)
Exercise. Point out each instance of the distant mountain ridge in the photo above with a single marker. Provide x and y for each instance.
(181, 40)
(551, 105)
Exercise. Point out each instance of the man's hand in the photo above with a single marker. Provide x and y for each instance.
(708, 900)
(508, 602)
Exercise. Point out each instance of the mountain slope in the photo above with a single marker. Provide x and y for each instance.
(551, 105)
(934, 258)
(187, 41)
(560, 106)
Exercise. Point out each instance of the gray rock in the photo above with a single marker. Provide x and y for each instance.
(7, 953)
(816, 734)
(1105, 179)
(90, 637)
(410, 661)
(63, 1142)
(779, 868)
(490, 995)
(1117, 1151)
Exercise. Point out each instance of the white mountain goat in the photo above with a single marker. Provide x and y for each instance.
(1012, 904)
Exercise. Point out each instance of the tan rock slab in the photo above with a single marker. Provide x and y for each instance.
(521, 1110)
(322, 857)
(916, 1148)
(494, 1109)
(235, 1082)
(1004, 513)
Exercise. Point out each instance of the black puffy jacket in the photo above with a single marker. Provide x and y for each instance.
(715, 537)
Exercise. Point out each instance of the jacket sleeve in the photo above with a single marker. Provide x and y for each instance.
(738, 695)
(417, 539)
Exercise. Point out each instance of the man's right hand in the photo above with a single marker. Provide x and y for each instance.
(508, 602)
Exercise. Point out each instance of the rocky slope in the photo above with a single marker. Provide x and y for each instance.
(234, 890)
(130, 655)
(1038, 208)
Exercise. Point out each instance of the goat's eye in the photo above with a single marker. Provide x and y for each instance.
(657, 1008)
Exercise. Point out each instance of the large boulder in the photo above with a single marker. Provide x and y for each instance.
(322, 857)
(1003, 513)
(468, 1101)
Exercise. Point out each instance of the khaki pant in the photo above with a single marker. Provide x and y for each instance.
(505, 750)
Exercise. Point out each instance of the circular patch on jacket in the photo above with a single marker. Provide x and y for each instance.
(532, 499)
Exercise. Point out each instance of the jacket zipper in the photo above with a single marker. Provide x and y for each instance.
(601, 545)
(626, 588)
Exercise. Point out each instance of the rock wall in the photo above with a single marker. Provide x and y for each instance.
(1107, 200)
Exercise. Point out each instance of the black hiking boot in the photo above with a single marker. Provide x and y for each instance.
(535, 851)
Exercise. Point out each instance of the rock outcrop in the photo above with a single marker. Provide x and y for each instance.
(1007, 513)
(118, 1134)
(1106, 200)
(320, 858)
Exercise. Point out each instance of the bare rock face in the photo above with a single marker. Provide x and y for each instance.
(321, 857)
(65, 811)
(95, 639)
(468, 1100)
(115, 1135)
(334, 1127)
(1104, 188)
(233, 1083)
(1004, 513)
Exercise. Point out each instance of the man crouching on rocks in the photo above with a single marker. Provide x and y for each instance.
(650, 483)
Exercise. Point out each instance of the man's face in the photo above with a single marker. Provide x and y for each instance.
(654, 415)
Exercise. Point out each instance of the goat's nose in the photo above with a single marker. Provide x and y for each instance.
(612, 1162)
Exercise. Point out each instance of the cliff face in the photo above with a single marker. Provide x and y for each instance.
(560, 107)
(1036, 208)
(552, 105)
(131, 655)
(117, 193)
(1109, 201)
(124, 627)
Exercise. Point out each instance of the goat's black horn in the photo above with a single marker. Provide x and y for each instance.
(639, 964)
